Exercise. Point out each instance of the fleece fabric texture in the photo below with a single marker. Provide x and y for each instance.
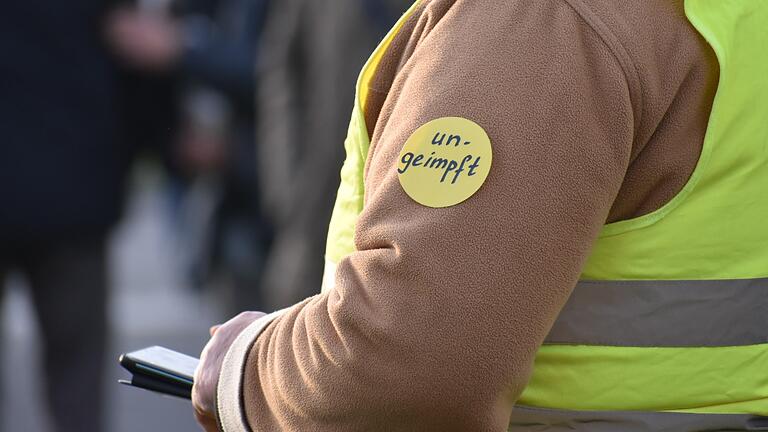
(596, 110)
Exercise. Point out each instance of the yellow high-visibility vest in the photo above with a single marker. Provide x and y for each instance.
(668, 327)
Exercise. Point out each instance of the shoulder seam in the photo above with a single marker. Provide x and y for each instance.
(620, 53)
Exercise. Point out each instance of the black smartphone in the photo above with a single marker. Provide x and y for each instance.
(161, 370)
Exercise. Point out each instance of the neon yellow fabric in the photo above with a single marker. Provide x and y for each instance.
(710, 230)
(349, 199)
(716, 228)
(651, 379)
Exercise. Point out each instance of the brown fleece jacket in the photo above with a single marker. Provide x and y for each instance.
(596, 111)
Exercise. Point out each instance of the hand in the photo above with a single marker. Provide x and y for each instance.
(207, 373)
(148, 41)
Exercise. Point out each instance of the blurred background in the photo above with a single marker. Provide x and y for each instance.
(164, 165)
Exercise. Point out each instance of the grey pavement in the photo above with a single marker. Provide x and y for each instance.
(149, 306)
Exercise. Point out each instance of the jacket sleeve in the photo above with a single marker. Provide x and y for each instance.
(434, 321)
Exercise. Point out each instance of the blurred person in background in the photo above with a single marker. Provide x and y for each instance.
(311, 52)
(62, 175)
(211, 47)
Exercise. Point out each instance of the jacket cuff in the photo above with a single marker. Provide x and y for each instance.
(229, 392)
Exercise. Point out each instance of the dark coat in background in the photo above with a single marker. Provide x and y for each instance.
(62, 167)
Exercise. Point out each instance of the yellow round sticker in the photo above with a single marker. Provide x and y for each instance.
(445, 161)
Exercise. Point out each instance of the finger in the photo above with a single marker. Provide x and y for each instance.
(213, 329)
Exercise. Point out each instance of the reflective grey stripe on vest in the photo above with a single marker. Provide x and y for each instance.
(527, 419)
(665, 314)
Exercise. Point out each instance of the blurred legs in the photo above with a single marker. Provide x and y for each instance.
(69, 285)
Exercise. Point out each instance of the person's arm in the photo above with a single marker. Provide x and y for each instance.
(225, 58)
(434, 321)
(227, 66)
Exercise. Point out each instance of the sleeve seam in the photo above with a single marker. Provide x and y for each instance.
(620, 53)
